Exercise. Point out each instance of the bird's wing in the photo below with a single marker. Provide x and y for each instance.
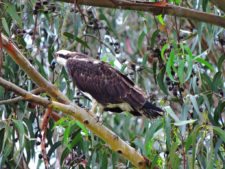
(103, 82)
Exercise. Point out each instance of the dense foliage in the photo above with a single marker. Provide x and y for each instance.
(178, 62)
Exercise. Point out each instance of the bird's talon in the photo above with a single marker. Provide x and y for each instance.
(99, 120)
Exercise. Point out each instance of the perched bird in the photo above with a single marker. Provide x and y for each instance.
(110, 89)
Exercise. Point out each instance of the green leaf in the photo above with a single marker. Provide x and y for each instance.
(177, 2)
(5, 26)
(53, 148)
(65, 153)
(167, 128)
(73, 37)
(83, 128)
(220, 62)
(66, 138)
(190, 67)
(219, 132)
(154, 68)
(170, 64)
(160, 19)
(210, 155)
(76, 140)
(204, 4)
(164, 48)
(219, 110)
(145, 59)
(173, 156)
(123, 68)
(41, 69)
(85, 44)
(140, 40)
(156, 125)
(153, 38)
(20, 128)
(191, 143)
(181, 71)
(104, 161)
(204, 62)
(207, 81)
(160, 80)
(217, 81)
(195, 105)
(68, 35)
(181, 123)
(11, 10)
(171, 113)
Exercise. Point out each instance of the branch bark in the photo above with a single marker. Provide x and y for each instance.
(87, 118)
(20, 98)
(115, 142)
(168, 9)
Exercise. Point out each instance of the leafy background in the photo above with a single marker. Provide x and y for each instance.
(178, 62)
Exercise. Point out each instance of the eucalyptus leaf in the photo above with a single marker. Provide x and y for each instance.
(141, 40)
(11, 10)
(5, 26)
(181, 123)
(220, 132)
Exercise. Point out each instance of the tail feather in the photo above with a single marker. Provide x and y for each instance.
(151, 111)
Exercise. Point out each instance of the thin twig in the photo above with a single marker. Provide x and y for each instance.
(1, 54)
(26, 95)
(76, 5)
(101, 41)
(17, 99)
(44, 127)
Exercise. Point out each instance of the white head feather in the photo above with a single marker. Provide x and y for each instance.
(58, 56)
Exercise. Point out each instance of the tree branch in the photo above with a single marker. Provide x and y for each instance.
(17, 99)
(168, 9)
(21, 60)
(87, 118)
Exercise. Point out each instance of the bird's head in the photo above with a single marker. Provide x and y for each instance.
(61, 57)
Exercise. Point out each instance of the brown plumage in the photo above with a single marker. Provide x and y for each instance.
(110, 88)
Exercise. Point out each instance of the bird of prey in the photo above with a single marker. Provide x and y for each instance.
(110, 89)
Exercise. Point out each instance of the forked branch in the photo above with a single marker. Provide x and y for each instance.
(63, 104)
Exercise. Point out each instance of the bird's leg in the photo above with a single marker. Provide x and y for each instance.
(94, 106)
(98, 109)
(99, 113)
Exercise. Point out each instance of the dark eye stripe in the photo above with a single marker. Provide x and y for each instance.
(64, 56)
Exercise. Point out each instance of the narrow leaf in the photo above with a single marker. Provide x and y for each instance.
(220, 132)
(140, 40)
(5, 26)
(181, 123)
(11, 10)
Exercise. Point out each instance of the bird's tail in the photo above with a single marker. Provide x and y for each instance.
(151, 111)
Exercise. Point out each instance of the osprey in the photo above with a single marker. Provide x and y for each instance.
(111, 90)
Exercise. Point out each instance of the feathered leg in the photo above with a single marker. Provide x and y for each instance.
(97, 109)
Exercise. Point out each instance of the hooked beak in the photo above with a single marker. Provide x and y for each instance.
(53, 63)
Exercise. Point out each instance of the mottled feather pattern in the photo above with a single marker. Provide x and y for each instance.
(107, 85)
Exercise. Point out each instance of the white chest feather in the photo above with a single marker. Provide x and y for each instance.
(61, 61)
(122, 106)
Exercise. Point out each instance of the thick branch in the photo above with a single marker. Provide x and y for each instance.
(18, 57)
(149, 7)
(87, 118)
(115, 142)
